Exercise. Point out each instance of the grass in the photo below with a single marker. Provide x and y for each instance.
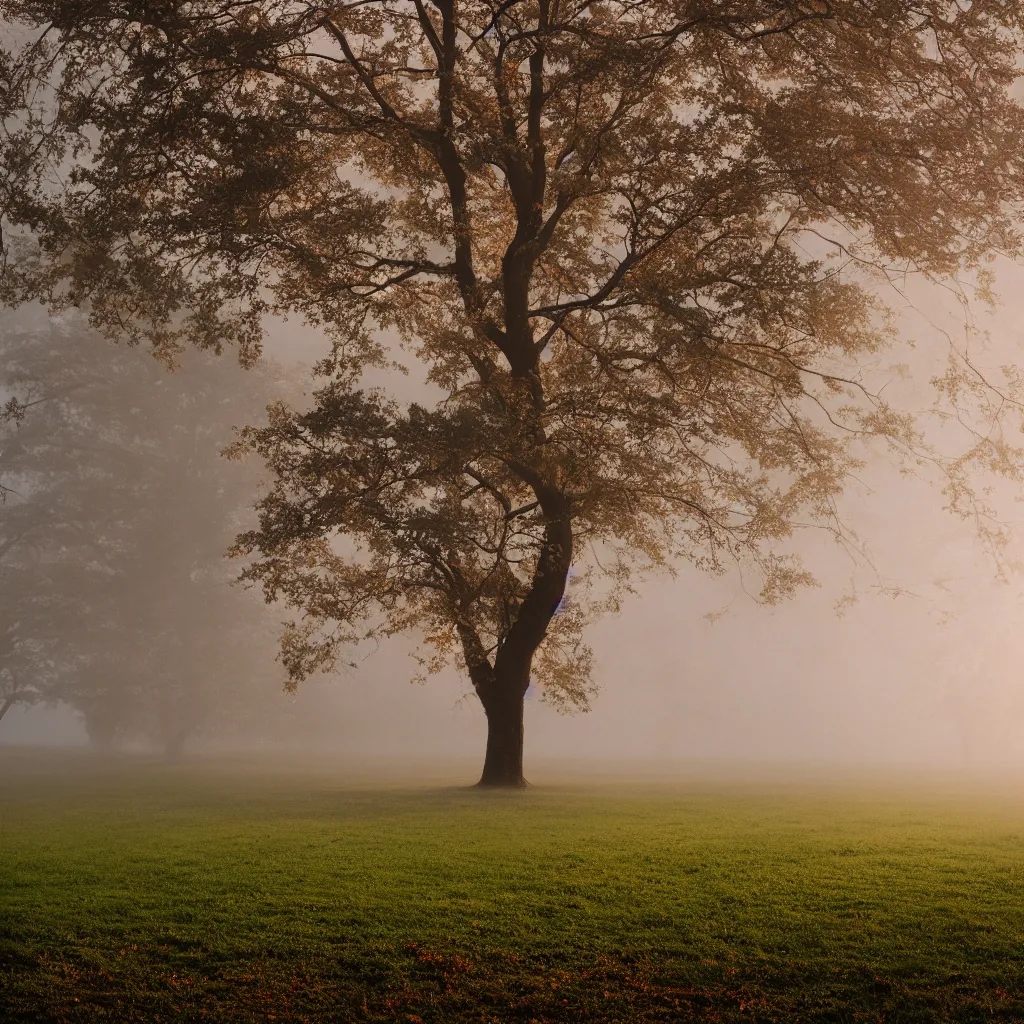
(222, 894)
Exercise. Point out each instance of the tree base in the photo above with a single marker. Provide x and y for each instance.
(521, 783)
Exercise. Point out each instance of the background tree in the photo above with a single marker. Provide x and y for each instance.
(45, 460)
(116, 593)
(629, 245)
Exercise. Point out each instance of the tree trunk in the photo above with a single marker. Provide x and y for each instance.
(503, 761)
(501, 689)
(102, 729)
(174, 746)
(7, 705)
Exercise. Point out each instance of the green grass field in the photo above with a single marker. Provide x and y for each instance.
(234, 892)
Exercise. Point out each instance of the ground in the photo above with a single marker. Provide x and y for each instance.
(241, 891)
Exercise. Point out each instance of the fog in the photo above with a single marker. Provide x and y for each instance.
(694, 670)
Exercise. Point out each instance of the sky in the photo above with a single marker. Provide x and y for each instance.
(693, 669)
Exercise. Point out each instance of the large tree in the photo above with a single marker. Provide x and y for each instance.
(627, 244)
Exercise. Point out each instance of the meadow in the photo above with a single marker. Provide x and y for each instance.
(258, 891)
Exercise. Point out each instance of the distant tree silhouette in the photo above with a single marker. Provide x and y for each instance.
(632, 245)
(115, 592)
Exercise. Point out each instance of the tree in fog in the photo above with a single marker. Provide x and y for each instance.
(631, 246)
(115, 588)
(44, 455)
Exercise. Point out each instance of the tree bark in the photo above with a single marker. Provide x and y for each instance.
(503, 705)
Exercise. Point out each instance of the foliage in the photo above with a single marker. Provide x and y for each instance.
(631, 246)
(50, 474)
(309, 899)
(116, 592)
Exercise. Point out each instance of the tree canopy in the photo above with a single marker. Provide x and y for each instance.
(630, 247)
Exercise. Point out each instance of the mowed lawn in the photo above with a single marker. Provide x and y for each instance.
(135, 891)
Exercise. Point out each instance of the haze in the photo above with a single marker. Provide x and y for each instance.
(693, 670)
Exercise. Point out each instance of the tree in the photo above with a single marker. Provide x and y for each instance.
(630, 246)
(115, 592)
(45, 463)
